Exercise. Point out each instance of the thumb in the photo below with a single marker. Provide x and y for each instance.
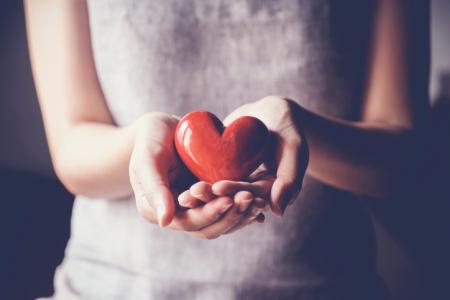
(291, 167)
(164, 205)
(160, 196)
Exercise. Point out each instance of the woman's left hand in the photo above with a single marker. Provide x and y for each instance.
(279, 179)
(247, 208)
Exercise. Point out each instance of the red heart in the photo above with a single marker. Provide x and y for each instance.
(213, 152)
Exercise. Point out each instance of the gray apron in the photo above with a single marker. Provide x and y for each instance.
(175, 56)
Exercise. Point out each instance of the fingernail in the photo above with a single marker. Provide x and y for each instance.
(198, 196)
(243, 206)
(225, 208)
(185, 202)
(260, 218)
(182, 201)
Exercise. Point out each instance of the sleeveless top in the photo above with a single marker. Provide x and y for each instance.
(176, 56)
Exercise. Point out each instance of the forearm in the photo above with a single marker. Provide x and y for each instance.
(93, 159)
(370, 159)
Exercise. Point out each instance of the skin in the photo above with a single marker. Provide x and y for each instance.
(379, 154)
(94, 157)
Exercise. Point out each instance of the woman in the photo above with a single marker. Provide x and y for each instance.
(357, 72)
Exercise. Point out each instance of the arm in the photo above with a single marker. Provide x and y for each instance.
(377, 155)
(90, 155)
(94, 157)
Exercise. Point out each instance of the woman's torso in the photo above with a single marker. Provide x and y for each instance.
(176, 56)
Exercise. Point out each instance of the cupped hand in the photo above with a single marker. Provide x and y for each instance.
(280, 178)
(246, 210)
(154, 172)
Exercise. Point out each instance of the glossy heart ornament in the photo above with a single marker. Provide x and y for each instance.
(213, 152)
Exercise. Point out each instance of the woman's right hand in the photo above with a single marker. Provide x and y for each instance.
(154, 167)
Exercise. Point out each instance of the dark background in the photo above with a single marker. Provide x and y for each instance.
(35, 208)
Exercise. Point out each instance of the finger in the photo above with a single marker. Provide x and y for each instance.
(256, 209)
(154, 179)
(186, 200)
(253, 214)
(148, 202)
(202, 191)
(197, 218)
(290, 171)
(164, 204)
(216, 229)
(246, 222)
(142, 193)
(229, 187)
(258, 203)
(243, 199)
(260, 188)
(143, 206)
(257, 217)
